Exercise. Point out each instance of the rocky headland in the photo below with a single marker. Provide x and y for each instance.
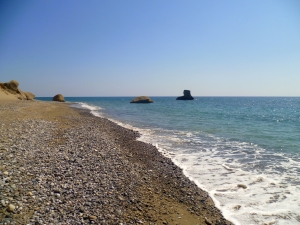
(11, 91)
(62, 165)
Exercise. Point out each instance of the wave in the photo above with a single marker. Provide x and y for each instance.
(249, 184)
(95, 110)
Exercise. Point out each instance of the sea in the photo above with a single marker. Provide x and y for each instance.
(244, 151)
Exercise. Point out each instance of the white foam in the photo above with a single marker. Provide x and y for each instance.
(211, 164)
(86, 106)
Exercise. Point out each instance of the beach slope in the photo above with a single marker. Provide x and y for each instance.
(5, 96)
(62, 165)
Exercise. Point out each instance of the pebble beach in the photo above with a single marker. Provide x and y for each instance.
(62, 165)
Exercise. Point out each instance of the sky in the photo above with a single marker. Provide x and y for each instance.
(151, 47)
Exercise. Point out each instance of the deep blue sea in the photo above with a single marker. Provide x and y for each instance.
(221, 142)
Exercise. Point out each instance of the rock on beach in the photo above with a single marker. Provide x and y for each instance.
(58, 98)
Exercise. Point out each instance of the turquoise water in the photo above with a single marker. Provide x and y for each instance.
(221, 142)
(273, 123)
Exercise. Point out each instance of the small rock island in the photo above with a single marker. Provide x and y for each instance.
(142, 99)
(186, 96)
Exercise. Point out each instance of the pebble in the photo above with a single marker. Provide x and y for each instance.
(11, 208)
(73, 183)
(237, 207)
(242, 186)
(207, 221)
(93, 217)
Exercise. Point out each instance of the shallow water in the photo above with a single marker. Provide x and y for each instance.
(221, 142)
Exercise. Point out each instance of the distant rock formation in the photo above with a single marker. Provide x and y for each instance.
(186, 96)
(142, 99)
(12, 88)
(58, 98)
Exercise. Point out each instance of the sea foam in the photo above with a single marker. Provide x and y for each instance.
(222, 168)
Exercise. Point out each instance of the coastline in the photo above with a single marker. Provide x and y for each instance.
(62, 165)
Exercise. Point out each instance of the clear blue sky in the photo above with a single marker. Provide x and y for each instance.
(151, 47)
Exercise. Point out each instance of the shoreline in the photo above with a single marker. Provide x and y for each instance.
(86, 169)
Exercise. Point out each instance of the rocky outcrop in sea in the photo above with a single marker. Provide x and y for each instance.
(142, 99)
(186, 96)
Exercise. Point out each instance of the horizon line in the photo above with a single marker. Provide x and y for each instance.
(198, 96)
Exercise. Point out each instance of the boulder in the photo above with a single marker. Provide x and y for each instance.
(186, 96)
(21, 95)
(58, 98)
(142, 99)
(29, 95)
